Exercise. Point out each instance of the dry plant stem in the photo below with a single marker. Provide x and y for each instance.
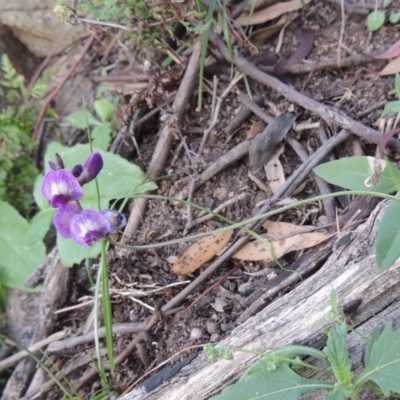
(57, 90)
(329, 203)
(221, 207)
(215, 115)
(329, 114)
(253, 106)
(62, 346)
(12, 360)
(323, 64)
(343, 16)
(166, 138)
(372, 108)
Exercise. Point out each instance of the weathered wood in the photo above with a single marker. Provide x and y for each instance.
(299, 316)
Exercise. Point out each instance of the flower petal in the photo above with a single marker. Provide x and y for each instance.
(91, 168)
(62, 219)
(61, 182)
(88, 226)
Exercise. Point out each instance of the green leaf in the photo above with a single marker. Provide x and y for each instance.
(280, 384)
(375, 20)
(371, 343)
(18, 261)
(37, 193)
(338, 355)
(104, 109)
(80, 119)
(39, 226)
(383, 365)
(352, 172)
(388, 239)
(334, 303)
(101, 136)
(392, 107)
(394, 18)
(72, 253)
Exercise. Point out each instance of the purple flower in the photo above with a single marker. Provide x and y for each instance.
(61, 187)
(62, 219)
(115, 218)
(88, 227)
(91, 168)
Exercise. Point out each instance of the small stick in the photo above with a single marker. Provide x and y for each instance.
(10, 361)
(221, 207)
(61, 346)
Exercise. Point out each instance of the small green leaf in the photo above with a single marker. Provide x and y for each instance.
(371, 343)
(392, 107)
(383, 365)
(352, 172)
(101, 136)
(388, 238)
(338, 355)
(375, 20)
(104, 109)
(80, 119)
(37, 193)
(18, 261)
(279, 384)
(394, 18)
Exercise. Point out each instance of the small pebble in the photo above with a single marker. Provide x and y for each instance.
(214, 338)
(196, 333)
(212, 327)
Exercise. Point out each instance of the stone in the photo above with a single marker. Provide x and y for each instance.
(36, 25)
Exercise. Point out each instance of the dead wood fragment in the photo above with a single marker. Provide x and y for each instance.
(31, 318)
(298, 317)
(331, 115)
(165, 140)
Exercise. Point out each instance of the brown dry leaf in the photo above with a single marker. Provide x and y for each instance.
(392, 68)
(200, 252)
(256, 251)
(270, 13)
(274, 171)
(260, 36)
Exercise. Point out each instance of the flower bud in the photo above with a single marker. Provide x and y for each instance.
(91, 168)
(58, 164)
(115, 218)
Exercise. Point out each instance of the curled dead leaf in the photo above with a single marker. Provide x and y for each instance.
(257, 251)
(200, 252)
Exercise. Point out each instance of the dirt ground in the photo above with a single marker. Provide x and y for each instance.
(214, 308)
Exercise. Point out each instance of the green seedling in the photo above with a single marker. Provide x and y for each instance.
(377, 18)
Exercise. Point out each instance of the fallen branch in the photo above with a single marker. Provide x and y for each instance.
(329, 114)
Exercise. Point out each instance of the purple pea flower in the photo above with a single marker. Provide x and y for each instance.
(62, 219)
(90, 170)
(88, 227)
(115, 218)
(61, 187)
